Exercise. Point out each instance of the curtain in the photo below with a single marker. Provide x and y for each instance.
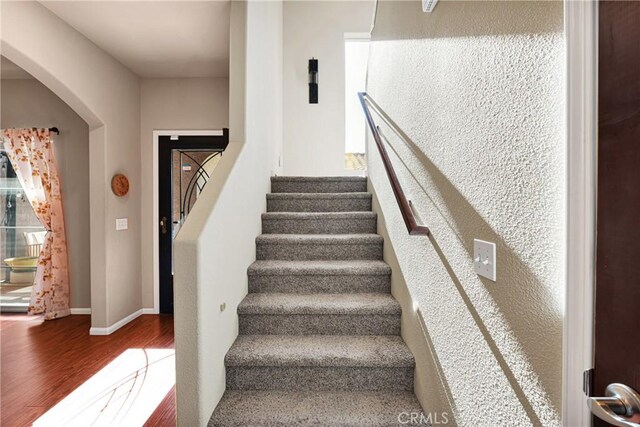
(31, 154)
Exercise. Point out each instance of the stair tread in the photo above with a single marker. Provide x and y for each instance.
(303, 380)
(318, 178)
(319, 267)
(319, 351)
(319, 215)
(352, 195)
(313, 408)
(333, 304)
(320, 239)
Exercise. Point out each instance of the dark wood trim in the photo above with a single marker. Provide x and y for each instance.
(405, 208)
(617, 294)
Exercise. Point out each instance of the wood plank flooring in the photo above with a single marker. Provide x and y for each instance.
(42, 362)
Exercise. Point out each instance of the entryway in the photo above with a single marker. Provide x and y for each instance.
(185, 164)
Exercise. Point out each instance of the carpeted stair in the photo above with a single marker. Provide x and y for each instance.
(319, 341)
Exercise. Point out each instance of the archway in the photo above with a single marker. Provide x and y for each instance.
(97, 166)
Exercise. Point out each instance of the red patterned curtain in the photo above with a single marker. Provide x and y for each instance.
(31, 154)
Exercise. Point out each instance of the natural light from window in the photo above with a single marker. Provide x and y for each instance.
(356, 55)
(124, 393)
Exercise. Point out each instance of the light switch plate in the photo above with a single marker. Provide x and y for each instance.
(484, 259)
(122, 224)
(428, 5)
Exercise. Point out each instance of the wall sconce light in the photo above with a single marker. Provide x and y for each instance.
(313, 81)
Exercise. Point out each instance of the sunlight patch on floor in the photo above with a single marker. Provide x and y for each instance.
(15, 297)
(123, 393)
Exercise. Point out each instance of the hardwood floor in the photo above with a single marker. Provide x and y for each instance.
(42, 362)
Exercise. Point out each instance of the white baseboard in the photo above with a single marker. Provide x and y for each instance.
(119, 324)
(149, 311)
(80, 311)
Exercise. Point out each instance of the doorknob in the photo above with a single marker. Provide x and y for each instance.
(621, 401)
(163, 224)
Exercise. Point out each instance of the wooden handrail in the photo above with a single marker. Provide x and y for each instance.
(404, 205)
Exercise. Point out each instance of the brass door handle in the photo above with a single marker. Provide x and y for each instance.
(163, 225)
(621, 401)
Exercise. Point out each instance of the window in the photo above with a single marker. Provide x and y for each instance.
(356, 55)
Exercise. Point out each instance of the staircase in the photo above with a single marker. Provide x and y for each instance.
(319, 339)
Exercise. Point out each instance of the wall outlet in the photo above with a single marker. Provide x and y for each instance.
(484, 259)
(122, 224)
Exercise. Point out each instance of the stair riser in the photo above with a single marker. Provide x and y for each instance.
(319, 324)
(302, 251)
(312, 408)
(318, 187)
(319, 205)
(293, 378)
(329, 226)
(317, 284)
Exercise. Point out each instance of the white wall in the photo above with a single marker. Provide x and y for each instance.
(314, 134)
(217, 242)
(172, 104)
(28, 103)
(478, 87)
(107, 96)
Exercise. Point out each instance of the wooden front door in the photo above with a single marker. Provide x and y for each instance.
(617, 307)
(170, 215)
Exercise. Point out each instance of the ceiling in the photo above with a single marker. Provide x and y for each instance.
(155, 39)
(9, 70)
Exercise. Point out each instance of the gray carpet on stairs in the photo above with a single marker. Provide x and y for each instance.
(318, 202)
(297, 314)
(311, 222)
(330, 184)
(313, 408)
(319, 247)
(313, 276)
(319, 341)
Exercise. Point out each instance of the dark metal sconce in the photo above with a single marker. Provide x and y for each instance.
(313, 81)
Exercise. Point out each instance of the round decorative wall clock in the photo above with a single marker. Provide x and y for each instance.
(120, 185)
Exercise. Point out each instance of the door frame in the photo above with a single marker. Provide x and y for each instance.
(581, 77)
(155, 222)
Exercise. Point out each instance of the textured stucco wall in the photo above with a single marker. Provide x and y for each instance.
(478, 87)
